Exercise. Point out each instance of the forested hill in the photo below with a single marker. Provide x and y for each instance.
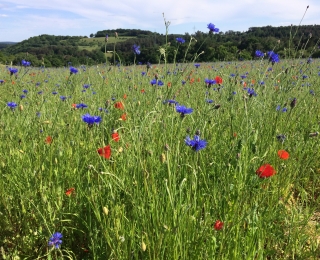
(50, 50)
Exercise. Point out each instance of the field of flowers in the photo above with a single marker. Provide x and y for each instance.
(165, 161)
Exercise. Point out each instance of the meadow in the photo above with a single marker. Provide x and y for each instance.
(169, 161)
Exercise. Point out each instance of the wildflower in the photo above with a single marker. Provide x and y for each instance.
(197, 65)
(105, 152)
(119, 105)
(123, 117)
(170, 101)
(196, 143)
(153, 82)
(160, 83)
(55, 240)
(90, 120)
(143, 73)
(12, 105)
(107, 38)
(259, 54)
(210, 82)
(284, 109)
(86, 86)
(63, 98)
(283, 154)
(212, 28)
(81, 105)
(2, 81)
(183, 82)
(218, 225)
(218, 80)
(183, 110)
(115, 136)
(13, 71)
(48, 140)
(273, 57)
(180, 40)
(311, 92)
(136, 49)
(22, 96)
(69, 191)
(209, 101)
(265, 171)
(73, 70)
(54, 92)
(25, 63)
(251, 92)
(281, 138)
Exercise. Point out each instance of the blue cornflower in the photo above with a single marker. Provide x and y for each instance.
(13, 71)
(90, 120)
(196, 143)
(312, 92)
(232, 75)
(273, 57)
(281, 138)
(12, 105)
(136, 49)
(38, 114)
(22, 96)
(160, 83)
(63, 98)
(243, 76)
(234, 92)
(212, 27)
(251, 92)
(304, 76)
(1, 81)
(170, 101)
(284, 109)
(278, 107)
(25, 63)
(209, 101)
(143, 73)
(153, 82)
(81, 105)
(197, 65)
(54, 92)
(86, 86)
(183, 110)
(25, 91)
(38, 84)
(210, 82)
(259, 54)
(180, 40)
(55, 240)
(40, 92)
(183, 82)
(73, 70)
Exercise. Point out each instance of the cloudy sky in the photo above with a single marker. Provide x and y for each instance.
(22, 19)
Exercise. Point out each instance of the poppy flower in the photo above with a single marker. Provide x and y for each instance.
(105, 152)
(125, 96)
(218, 225)
(48, 140)
(265, 171)
(69, 191)
(283, 154)
(115, 136)
(119, 105)
(124, 117)
(218, 80)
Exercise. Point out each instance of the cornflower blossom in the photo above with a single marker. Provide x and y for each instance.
(212, 28)
(183, 110)
(196, 143)
(73, 70)
(180, 40)
(13, 71)
(259, 54)
(55, 240)
(90, 120)
(136, 49)
(25, 63)
(12, 105)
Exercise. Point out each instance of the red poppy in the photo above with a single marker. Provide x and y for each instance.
(218, 225)
(218, 80)
(265, 171)
(119, 105)
(124, 117)
(124, 96)
(48, 140)
(169, 84)
(115, 137)
(105, 152)
(69, 191)
(283, 154)
(142, 90)
(74, 105)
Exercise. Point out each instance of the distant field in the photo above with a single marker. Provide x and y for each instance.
(101, 40)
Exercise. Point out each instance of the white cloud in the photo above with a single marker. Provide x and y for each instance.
(94, 15)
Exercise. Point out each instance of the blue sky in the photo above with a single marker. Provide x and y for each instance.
(22, 19)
